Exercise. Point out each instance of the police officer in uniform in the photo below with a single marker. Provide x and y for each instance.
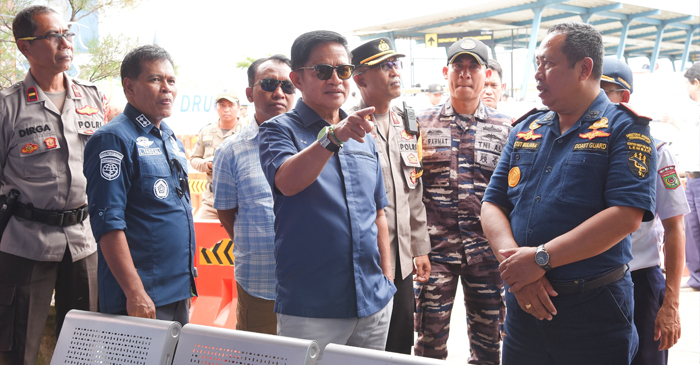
(378, 76)
(462, 142)
(210, 137)
(139, 198)
(571, 185)
(656, 299)
(45, 122)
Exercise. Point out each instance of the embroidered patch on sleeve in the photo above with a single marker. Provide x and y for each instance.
(110, 164)
(669, 176)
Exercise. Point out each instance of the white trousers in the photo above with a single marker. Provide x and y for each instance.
(367, 332)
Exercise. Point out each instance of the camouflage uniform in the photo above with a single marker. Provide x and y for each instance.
(459, 155)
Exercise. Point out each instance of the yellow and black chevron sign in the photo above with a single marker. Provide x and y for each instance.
(197, 186)
(220, 255)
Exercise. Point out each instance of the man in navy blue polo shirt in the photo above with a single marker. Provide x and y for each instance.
(138, 198)
(323, 167)
(571, 185)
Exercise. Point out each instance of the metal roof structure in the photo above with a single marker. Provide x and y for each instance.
(630, 28)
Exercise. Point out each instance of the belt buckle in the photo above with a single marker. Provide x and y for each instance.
(70, 218)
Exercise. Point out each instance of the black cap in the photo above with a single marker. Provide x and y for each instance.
(469, 46)
(436, 89)
(617, 72)
(373, 52)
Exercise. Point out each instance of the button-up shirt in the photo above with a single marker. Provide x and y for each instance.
(459, 155)
(41, 156)
(137, 182)
(326, 236)
(552, 182)
(239, 183)
(405, 214)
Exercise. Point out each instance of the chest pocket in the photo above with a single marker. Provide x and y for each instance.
(154, 167)
(589, 168)
(436, 166)
(520, 171)
(40, 157)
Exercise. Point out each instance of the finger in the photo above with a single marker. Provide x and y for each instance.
(362, 113)
(508, 252)
(548, 287)
(539, 311)
(547, 302)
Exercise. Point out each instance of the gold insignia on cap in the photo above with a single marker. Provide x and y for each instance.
(468, 44)
(438, 88)
(383, 46)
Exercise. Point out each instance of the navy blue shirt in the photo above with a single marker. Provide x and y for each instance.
(326, 236)
(551, 183)
(133, 184)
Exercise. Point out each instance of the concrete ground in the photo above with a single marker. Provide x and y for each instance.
(685, 352)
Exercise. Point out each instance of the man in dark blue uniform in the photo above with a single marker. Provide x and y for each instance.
(571, 185)
(139, 199)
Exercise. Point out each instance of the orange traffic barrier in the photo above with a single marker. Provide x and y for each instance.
(216, 283)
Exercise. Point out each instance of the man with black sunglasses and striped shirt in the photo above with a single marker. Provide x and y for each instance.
(378, 76)
(244, 200)
(334, 278)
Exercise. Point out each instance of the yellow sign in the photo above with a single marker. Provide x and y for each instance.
(431, 40)
(219, 255)
(197, 186)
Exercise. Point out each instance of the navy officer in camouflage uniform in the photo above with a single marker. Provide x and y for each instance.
(462, 142)
(571, 185)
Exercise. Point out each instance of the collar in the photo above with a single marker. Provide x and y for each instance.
(34, 94)
(142, 122)
(448, 110)
(595, 111)
(309, 116)
(250, 130)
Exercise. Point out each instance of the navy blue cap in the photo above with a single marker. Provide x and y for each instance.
(617, 72)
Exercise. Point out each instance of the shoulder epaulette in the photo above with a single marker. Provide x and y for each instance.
(639, 118)
(83, 83)
(526, 115)
(659, 143)
(397, 110)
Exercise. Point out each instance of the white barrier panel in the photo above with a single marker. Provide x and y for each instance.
(220, 346)
(335, 354)
(98, 338)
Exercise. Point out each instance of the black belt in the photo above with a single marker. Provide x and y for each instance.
(51, 217)
(582, 285)
(692, 174)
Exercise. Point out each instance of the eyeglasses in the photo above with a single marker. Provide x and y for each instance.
(612, 90)
(386, 66)
(54, 38)
(324, 72)
(270, 85)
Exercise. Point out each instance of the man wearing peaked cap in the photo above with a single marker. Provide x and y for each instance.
(210, 137)
(656, 298)
(462, 142)
(45, 121)
(434, 94)
(378, 76)
(616, 80)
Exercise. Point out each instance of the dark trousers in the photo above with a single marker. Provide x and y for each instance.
(400, 338)
(26, 288)
(649, 292)
(593, 327)
(692, 232)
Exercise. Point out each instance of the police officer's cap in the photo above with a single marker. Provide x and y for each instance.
(470, 46)
(435, 89)
(617, 72)
(229, 95)
(373, 52)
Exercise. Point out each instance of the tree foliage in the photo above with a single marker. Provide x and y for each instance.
(245, 63)
(106, 57)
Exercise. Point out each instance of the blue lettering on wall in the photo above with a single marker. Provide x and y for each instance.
(184, 103)
(207, 105)
(196, 101)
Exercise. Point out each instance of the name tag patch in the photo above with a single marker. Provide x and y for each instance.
(522, 145)
(591, 146)
(438, 137)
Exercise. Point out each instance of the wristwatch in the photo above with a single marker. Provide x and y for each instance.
(324, 138)
(542, 258)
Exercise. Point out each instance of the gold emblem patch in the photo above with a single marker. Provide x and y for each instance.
(383, 46)
(514, 177)
(600, 124)
(468, 44)
(534, 125)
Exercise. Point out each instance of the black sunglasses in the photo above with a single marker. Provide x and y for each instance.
(324, 72)
(270, 85)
